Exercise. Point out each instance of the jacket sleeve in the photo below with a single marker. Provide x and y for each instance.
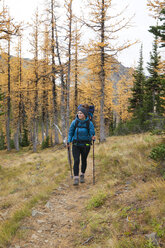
(71, 131)
(91, 129)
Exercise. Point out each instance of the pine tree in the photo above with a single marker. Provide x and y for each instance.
(154, 84)
(159, 30)
(137, 101)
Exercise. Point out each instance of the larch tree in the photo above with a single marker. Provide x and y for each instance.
(45, 81)
(1, 98)
(63, 83)
(156, 6)
(54, 72)
(68, 5)
(17, 94)
(104, 26)
(3, 87)
(8, 83)
(11, 29)
(76, 64)
(35, 79)
(124, 93)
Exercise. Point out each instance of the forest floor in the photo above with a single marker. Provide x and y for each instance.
(124, 209)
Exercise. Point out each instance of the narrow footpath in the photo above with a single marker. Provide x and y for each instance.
(54, 225)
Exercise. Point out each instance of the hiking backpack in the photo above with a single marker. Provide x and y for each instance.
(90, 113)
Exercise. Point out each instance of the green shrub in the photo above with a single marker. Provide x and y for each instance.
(25, 142)
(158, 153)
(12, 146)
(45, 143)
(156, 125)
(97, 200)
(132, 126)
(2, 141)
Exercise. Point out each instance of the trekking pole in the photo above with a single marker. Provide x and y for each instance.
(93, 163)
(70, 161)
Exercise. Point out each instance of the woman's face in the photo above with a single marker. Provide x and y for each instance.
(81, 116)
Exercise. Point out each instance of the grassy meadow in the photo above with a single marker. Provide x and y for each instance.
(128, 200)
(127, 203)
(27, 178)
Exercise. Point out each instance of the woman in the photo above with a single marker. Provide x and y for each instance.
(81, 133)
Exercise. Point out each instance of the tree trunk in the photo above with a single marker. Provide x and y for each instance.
(54, 90)
(8, 102)
(42, 130)
(34, 135)
(35, 114)
(102, 78)
(47, 125)
(76, 73)
(16, 137)
(69, 66)
(62, 109)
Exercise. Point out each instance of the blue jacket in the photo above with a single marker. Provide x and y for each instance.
(81, 133)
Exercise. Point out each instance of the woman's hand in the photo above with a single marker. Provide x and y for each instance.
(68, 145)
(94, 138)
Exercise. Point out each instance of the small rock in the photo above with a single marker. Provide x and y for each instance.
(153, 237)
(48, 205)
(24, 228)
(36, 213)
(118, 193)
(34, 236)
(40, 221)
(128, 182)
(83, 197)
(70, 207)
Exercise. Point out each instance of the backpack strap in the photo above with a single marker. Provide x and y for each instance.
(88, 123)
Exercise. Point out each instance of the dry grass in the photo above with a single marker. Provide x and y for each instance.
(25, 179)
(128, 199)
(135, 202)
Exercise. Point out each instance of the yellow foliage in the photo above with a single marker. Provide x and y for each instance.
(155, 6)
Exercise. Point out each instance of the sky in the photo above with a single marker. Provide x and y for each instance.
(23, 10)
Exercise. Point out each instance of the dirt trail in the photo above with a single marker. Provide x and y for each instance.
(55, 224)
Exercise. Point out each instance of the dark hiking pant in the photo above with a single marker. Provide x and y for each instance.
(77, 151)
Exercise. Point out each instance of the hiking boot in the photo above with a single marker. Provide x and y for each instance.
(76, 181)
(82, 180)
